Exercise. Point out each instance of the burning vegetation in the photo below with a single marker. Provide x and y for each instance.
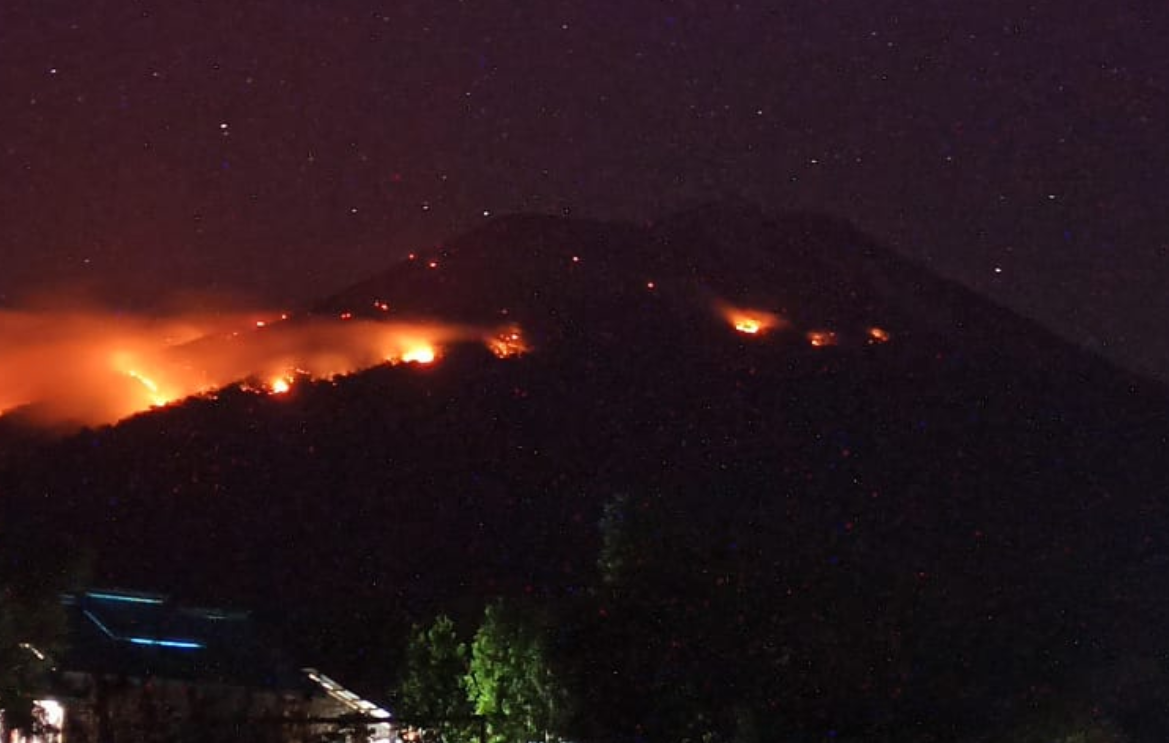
(507, 342)
(280, 385)
(756, 322)
(97, 367)
(821, 338)
(93, 367)
(749, 321)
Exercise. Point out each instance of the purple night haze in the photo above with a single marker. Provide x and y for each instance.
(281, 149)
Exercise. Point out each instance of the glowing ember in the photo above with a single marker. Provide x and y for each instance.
(877, 335)
(821, 338)
(507, 343)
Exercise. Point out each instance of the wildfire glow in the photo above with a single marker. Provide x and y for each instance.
(507, 343)
(423, 354)
(280, 385)
(157, 399)
(92, 367)
(748, 325)
(749, 321)
(821, 338)
(878, 335)
(146, 381)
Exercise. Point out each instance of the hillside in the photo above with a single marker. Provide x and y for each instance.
(931, 477)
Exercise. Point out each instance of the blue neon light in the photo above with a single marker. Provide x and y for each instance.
(123, 597)
(180, 644)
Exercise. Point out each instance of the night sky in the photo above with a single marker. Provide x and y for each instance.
(280, 149)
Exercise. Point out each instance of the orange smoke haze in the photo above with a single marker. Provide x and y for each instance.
(97, 367)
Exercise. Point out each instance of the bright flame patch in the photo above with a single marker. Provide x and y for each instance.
(748, 325)
(280, 385)
(749, 321)
(420, 355)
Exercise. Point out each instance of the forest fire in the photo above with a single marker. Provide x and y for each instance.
(821, 338)
(750, 322)
(93, 367)
(421, 354)
(280, 385)
(748, 325)
(878, 335)
(156, 396)
(507, 343)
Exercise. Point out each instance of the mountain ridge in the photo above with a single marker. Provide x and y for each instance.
(970, 476)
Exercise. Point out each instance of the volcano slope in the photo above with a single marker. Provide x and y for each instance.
(897, 502)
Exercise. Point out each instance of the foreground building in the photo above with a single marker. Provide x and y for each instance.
(141, 668)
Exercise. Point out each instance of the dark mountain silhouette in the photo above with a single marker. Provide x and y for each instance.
(920, 506)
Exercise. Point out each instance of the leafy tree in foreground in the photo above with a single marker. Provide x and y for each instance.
(511, 681)
(431, 693)
(31, 628)
(36, 566)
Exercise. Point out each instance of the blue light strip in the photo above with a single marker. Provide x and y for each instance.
(180, 644)
(123, 597)
(99, 624)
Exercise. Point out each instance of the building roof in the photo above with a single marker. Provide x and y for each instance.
(141, 635)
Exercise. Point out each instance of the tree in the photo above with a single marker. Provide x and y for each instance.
(31, 628)
(431, 693)
(511, 682)
(36, 566)
(617, 555)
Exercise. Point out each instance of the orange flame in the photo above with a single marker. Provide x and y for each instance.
(421, 354)
(748, 325)
(96, 367)
(280, 385)
(157, 398)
